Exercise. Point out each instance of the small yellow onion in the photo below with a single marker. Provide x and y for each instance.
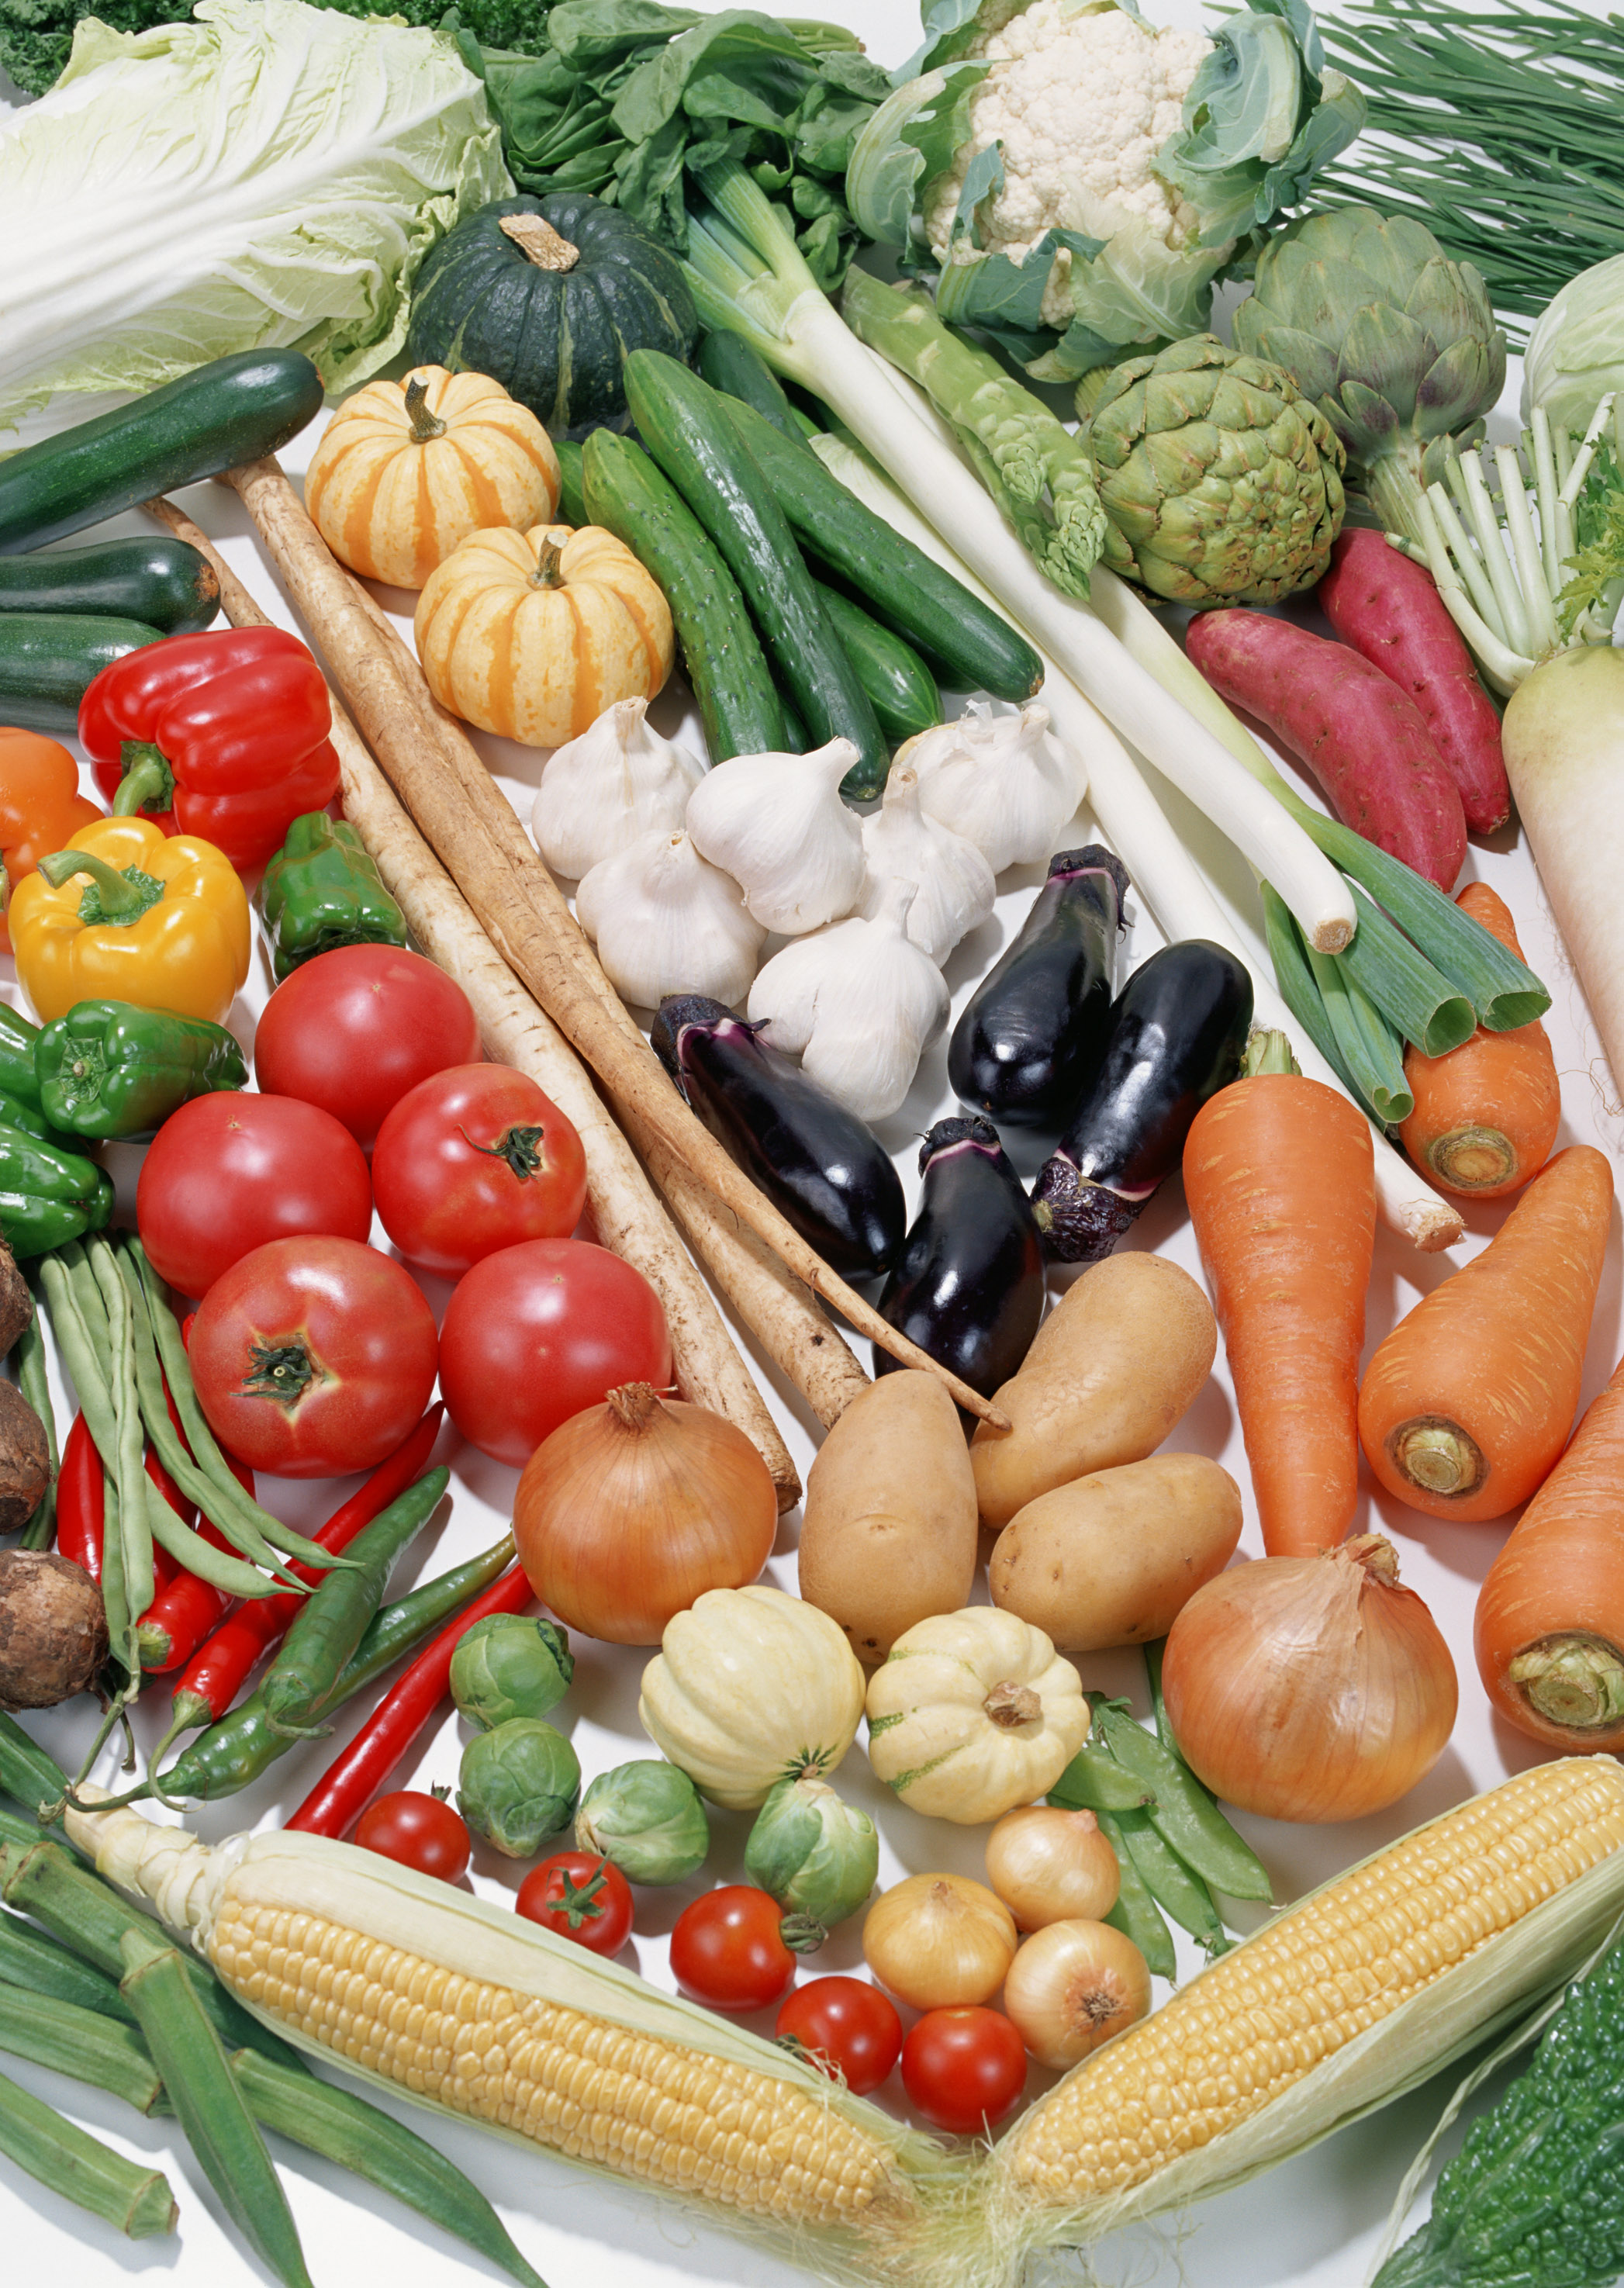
(939, 1940)
(1052, 1866)
(1072, 1986)
(1309, 1688)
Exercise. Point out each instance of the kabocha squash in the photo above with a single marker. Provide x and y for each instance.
(405, 470)
(533, 635)
(548, 296)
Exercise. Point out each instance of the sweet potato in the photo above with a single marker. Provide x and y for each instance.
(1361, 737)
(1388, 607)
(889, 1537)
(1112, 1370)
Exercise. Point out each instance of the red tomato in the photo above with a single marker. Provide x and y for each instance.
(727, 1948)
(314, 1357)
(580, 1895)
(847, 2023)
(531, 1334)
(353, 1030)
(963, 2069)
(472, 1159)
(226, 1174)
(420, 1830)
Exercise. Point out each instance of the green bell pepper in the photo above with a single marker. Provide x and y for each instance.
(48, 1196)
(108, 1068)
(17, 1079)
(323, 889)
(17, 1114)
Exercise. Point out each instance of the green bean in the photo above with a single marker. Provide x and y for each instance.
(1136, 1913)
(34, 1384)
(81, 2168)
(130, 1472)
(1189, 1820)
(1093, 1782)
(220, 2128)
(29, 1959)
(80, 2043)
(1176, 1888)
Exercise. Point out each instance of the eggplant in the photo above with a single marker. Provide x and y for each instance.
(969, 1284)
(817, 1163)
(1033, 1034)
(1178, 1031)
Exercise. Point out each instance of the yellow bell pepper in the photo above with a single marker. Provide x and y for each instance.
(159, 920)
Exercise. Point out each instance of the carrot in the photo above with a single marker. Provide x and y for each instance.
(1467, 1402)
(1388, 607)
(1550, 1616)
(1280, 1178)
(1486, 1115)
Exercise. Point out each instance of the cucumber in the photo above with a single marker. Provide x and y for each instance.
(48, 658)
(682, 423)
(628, 496)
(160, 581)
(734, 369)
(572, 500)
(235, 408)
(977, 649)
(900, 687)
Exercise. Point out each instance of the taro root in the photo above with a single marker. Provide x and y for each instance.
(16, 1303)
(54, 1632)
(25, 1459)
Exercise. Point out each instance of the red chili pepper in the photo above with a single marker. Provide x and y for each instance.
(353, 1778)
(225, 736)
(82, 1505)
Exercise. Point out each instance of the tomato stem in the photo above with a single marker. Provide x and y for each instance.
(283, 1370)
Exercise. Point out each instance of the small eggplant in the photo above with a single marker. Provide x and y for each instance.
(1032, 1033)
(817, 1163)
(1176, 1034)
(969, 1284)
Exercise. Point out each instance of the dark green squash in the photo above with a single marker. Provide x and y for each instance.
(551, 321)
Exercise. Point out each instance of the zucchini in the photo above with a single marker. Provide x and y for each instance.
(977, 650)
(628, 496)
(235, 408)
(681, 421)
(47, 659)
(163, 583)
(572, 500)
(901, 689)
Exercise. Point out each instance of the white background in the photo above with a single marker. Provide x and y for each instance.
(1313, 2224)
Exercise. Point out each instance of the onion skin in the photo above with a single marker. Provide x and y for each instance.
(940, 1942)
(1310, 1688)
(1072, 1987)
(633, 1508)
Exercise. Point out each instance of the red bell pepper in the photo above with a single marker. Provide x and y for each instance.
(223, 736)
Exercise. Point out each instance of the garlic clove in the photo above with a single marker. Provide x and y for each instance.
(665, 921)
(777, 824)
(999, 777)
(957, 888)
(602, 791)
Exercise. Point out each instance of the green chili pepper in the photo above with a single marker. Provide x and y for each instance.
(1186, 1816)
(331, 1623)
(47, 1195)
(30, 1959)
(108, 1068)
(81, 2168)
(1136, 1913)
(1093, 1782)
(81, 2043)
(323, 889)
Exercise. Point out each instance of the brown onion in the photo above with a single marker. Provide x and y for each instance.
(940, 1942)
(1072, 1986)
(1309, 1688)
(1048, 1865)
(634, 1508)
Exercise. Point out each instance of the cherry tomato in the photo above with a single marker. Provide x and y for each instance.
(354, 1029)
(580, 1895)
(420, 1830)
(963, 2069)
(313, 1356)
(472, 1159)
(229, 1172)
(847, 2023)
(534, 1333)
(727, 1948)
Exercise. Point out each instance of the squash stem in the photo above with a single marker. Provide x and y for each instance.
(548, 560)
(538, 242)
(426, 425)
(1577, 1681)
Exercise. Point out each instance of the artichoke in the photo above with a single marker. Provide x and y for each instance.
(1395, 344)
(1222, 483)
(646, 1817)
(507, 1665)
(519, 1785)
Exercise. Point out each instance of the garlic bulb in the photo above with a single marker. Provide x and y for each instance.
(999, 777)
(665, 922)
(957, 888)
(858, 1001)
(601, 791)
(777, 824)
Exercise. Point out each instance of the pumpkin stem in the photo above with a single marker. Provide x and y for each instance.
(1010, 1704)
(547, 561)
(538, 242)
(426, 425)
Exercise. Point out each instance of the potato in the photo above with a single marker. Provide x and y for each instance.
(1111, 1560)
(890, 1531)
(1114, 1366)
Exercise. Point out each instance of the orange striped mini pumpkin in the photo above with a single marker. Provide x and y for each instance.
(405, 470)
(533, 635)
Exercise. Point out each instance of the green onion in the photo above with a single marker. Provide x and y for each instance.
(1420, 1002)
(1371, 1050)
(81, 2168)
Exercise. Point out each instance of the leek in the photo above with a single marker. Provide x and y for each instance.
(1342, 1020)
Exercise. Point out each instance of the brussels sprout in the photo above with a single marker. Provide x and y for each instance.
(519, 1785)
(813, 1854)
(647, 1819)
(507, 1666)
